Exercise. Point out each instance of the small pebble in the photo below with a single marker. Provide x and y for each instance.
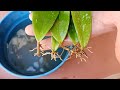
(42, 70)
(36, 64)
(31, 69)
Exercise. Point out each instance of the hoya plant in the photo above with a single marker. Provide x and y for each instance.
(77, 25)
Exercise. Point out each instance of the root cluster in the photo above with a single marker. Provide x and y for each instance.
(76, 50)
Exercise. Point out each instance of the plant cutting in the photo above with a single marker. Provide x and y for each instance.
(77, 25)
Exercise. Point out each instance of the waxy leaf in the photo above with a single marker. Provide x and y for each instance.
(55, 44)
(83, 25)
(42, 22)
(72, 33)
(60, 28)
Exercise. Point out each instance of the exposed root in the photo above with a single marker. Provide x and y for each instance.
(33, 49)
(88, 48)
(69, 50)
(83, 59)
(54, 55)
(78, 52)
(39, 50)
(62, 52)
(82, 55)
(46, 53)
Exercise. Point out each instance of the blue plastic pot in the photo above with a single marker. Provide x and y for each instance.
(15, 56)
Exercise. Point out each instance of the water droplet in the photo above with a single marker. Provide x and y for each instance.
(36, 20)
(84, 27)
(83, 17)
(86, 14)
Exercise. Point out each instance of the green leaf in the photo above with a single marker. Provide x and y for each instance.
(42, 22)
(72, 33)
(55, 44)
(83, 25)
(60, 28)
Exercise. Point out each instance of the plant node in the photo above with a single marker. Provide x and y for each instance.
(54, 55)
(39, 49)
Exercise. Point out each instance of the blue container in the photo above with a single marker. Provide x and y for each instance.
(15, 56)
